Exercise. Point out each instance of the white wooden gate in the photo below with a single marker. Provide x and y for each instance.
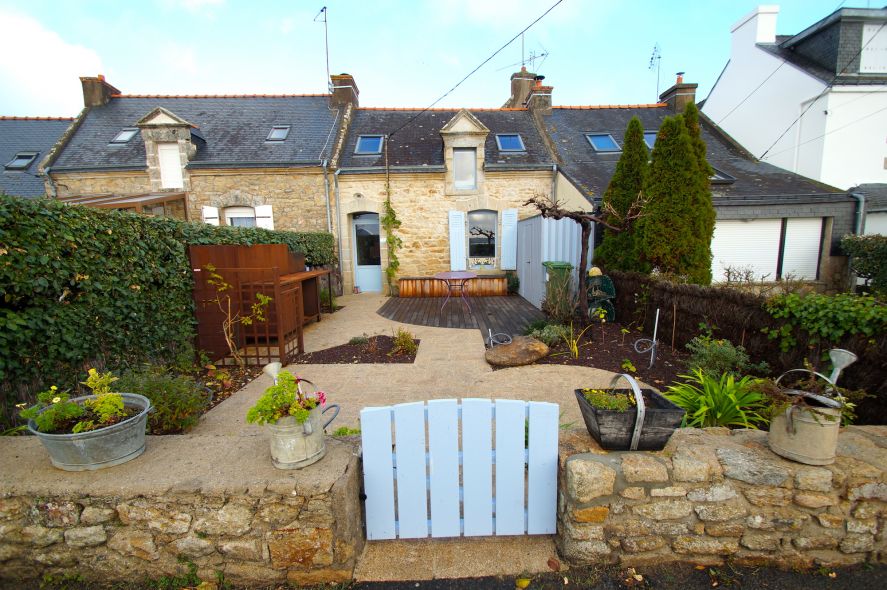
(495, 484)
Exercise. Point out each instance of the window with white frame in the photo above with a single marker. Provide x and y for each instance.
(510, 142)
(369, 144)
(602, 142)
(465, 168)
(240, 217)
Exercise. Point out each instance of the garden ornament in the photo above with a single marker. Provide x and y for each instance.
(497, 339)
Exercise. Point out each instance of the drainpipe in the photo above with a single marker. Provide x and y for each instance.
(338, 219)
(860, 211)
(553, 182)
(326, 193)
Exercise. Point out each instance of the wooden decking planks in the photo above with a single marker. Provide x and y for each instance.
(507, 314)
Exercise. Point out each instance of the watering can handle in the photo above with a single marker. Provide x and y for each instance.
(330, 407)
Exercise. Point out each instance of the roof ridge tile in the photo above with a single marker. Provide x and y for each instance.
(218, 95)
(13, 118)
(655, 105)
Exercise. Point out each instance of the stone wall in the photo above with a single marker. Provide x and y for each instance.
(101, 183)
(204, 500)
(713, 495)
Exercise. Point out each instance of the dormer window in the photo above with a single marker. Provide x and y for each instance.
(510, 142)
(278, 133)
(721, 177)
(602, 142)
(21, 161)
(369, 144)
(650, 138)
(125, 135)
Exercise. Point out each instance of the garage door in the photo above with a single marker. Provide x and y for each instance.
(876, 223)
(745, 244)
(803, 238)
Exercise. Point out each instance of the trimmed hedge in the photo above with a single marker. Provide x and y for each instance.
(83, 287)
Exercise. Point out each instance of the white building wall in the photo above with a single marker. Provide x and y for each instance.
(855, 145)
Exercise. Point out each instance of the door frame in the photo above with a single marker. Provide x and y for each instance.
(354, 223)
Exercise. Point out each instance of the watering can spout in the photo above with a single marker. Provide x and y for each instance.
(841, 359)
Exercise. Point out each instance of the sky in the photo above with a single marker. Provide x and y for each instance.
(404, 53)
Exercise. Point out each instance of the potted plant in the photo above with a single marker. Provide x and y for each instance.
(807, 414)
(293, 418)
(628, 419)
(93, 431)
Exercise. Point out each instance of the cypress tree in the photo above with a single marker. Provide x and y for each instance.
(701, 205)
(670, 236)
(619, 250)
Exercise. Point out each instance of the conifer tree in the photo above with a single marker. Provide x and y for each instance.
(619, 250)
(672, 236)
(701, 206)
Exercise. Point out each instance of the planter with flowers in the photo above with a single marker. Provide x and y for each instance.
(292, 409)
(93, 431)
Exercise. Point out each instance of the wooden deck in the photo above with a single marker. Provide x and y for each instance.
(508, 314)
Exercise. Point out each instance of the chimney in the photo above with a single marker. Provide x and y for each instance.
(679, 95)
(521, 84)
(758, 26)
(96, 91)
(539, 99)
(343, 90)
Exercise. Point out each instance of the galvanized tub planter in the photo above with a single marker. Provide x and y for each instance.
(101, 448)
(646, 427)
(294, 445)
(807, 433)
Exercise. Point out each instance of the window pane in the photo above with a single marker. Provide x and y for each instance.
(482, 234)
(510, 143)
(465, 167)
(603, 142)
(650, 138)
(278, 133)
(366, 234)
(369, 144)
(242, 221)
(125, 135)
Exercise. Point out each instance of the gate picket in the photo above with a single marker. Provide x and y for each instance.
(477, 466)
(510, 428)
(412, 488)
(443, 467)
(378, 472)
(542, 467)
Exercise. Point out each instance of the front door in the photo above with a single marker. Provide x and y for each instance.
(367, 256)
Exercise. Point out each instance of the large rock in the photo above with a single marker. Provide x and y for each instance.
(523, 350)
(751, 467)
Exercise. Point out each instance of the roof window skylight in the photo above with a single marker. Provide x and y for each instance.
(510, 142)
(369, 144)
(602, 142)
(21, 161)
(650, 138)
(278, 133)
(125, 135)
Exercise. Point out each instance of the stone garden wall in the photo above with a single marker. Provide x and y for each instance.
(202, 500)
(713, 495)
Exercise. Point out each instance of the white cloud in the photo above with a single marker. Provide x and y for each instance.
(41, 69)
(191, 5)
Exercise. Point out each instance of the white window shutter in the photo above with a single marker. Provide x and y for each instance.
(264, 217)
(210, 215)
(457, 240)
(509, 239)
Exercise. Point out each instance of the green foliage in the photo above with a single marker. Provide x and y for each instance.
(55, 412)
(232, 317)
(609, 400)
(550, 334)
(513, 281)
(177, 400)
(57, 409)
(359, 340)
(285, 398)
(390, 223)
(628, 366)
(678, 216)
(868, 258)
(404, 343)
(571, 339)
(619, 250)
(346, 431)
(82, 286)
(719, 401)
(560, 301)
(824, 319)
(717, 356)
(190, 579)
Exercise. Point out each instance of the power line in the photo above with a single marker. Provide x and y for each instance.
(750, 93)
(472, 72)
(824, 91)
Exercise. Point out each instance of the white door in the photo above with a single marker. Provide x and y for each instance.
(529, 260)
(367, 252)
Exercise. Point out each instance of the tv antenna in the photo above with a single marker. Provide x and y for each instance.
(532, 59)
(656, 62)
(326, 43)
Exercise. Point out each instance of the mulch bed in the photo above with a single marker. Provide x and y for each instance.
(378, 349)
(223, 381)
(608, 351)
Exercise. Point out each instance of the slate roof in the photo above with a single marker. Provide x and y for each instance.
(234, 128)
(27, 134)
(420, 145)
(875, 196)
(817, 71)
(591, 171)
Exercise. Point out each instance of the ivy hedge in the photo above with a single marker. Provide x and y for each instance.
(83, 287)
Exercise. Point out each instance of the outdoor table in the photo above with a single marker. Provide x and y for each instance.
(455, 281)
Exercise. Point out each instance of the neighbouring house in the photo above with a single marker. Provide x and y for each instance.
(815, 102)
(771, 223)
(457, 179)
(244, 160)
(24, 142)
(874, 197)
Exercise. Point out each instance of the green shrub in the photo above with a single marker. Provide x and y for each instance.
(404, 343)
(346, 431)
(90, 287)
(550, 334)
(513, 281)
(717, 356)
(359, 340)
(720, 401)
(609, 400)
(177, 400)
(868, 258)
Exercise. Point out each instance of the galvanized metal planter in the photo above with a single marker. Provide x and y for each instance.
(294, 445)
(98, 449)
